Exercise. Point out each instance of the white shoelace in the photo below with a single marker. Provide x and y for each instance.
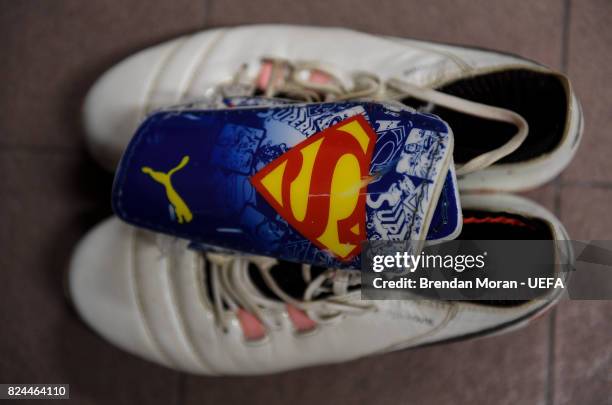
(233, 288)
(292, 79)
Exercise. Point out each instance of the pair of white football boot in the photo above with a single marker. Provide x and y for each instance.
(214, 314)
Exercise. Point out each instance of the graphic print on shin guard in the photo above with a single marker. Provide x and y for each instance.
(319, 186)
(303, 183)
(178, 206)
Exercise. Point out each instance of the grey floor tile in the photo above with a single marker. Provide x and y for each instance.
(583, 361)
(590, 69)
(507, 369)
(57, 50)
(534, 32)
(585, 211)
(583, 350)
(47, 202)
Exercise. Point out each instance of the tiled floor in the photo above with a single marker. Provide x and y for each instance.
(52, 193)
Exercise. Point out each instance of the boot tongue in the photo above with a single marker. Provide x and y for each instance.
(305, 183)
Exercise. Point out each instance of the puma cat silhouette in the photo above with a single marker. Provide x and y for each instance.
(181, 210)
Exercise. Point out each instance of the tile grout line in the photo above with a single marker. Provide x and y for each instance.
(558, 187)
(565, 33)
(550, 374)
(564, 58)
(587, 183)
(567, 4)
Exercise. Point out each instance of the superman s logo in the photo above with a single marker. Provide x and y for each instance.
(319, 186)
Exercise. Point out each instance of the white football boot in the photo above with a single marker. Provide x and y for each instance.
(232, 315)
(534, 99)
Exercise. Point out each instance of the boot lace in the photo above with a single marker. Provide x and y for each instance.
(325, 299)
(317, 82)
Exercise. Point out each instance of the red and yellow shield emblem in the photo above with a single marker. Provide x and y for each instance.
(319, 186)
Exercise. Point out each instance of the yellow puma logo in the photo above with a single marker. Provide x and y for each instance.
(183, 214)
